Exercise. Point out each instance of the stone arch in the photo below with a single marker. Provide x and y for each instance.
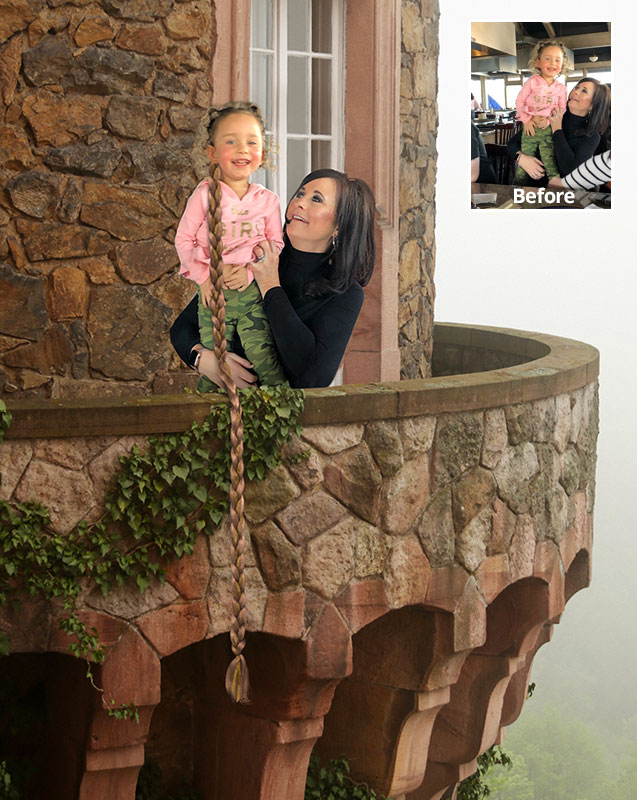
(382, 715)
(578, 575)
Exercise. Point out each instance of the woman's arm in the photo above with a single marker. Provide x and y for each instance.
(570, 155)
(311, 353)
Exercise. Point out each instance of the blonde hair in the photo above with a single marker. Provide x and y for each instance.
(537, 51)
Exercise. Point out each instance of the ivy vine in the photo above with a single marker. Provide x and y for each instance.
(164, 497)
(332, 781)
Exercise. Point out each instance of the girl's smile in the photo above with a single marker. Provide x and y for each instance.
(237, 148)
(550, 62)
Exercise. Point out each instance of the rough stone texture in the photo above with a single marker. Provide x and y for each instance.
(264, 498)
(403, 496)
(67, 493)
(279, 560)
(328, 562)
(471, 543)
(562, 429)
(185, 24)
(15, 152)
(304, 463)
(145, 39)
(14, 457)
(100, 158)
(124, 328)
(48, 354)
(56, 120)
(514, 473)
(43, 241)
(127, 214)
(133, 117)
(170, 87)
(417, 435)
(473, 491)
(69, 293)
(406, 574)
(305, 518)
(495, 437)
(457, 446)
(370, 548)
(128, 605)
(418, 127)
(436, 531)
(92, 29)
(34, 192)
(354, 478)
(333, 439)
(23, 308)
(385, 444)
(146, 261)
(149, 163)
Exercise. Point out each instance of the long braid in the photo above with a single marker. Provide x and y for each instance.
(237, 681)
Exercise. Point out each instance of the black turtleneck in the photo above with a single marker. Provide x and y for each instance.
(572, 145)
(310, 333)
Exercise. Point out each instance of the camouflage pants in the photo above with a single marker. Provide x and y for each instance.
(541, 142)
(246, 317)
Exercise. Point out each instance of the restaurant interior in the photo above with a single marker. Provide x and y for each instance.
(500, 53)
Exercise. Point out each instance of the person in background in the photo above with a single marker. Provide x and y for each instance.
(481, 169)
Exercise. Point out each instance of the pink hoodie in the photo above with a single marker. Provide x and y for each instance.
(246, 223)
(538, 99)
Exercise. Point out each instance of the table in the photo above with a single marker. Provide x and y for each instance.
(534, 197)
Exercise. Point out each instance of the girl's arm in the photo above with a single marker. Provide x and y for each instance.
(193, 258)
(520, 102)
(273, 227)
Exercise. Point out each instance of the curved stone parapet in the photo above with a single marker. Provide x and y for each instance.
(400, 578)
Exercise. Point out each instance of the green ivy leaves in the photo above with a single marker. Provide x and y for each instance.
(164, 497)
(332, 782)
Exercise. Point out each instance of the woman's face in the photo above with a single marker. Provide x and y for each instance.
(311, 215)
(580, 99)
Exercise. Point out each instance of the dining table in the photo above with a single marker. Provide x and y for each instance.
(490, 195)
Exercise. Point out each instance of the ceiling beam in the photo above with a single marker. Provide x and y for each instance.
(591, 65)
(601, 39)
(550, 30)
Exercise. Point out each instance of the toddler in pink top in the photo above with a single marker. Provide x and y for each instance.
(250, 214)
(540, 95)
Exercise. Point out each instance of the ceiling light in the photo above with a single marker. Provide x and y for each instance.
(593, 58)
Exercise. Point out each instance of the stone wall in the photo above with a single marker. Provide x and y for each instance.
(98, 103)
(419, 127)
(399, 579)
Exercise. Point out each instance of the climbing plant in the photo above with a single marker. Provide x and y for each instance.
(163, 498)
(332, 782)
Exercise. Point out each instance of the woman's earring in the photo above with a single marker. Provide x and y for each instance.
(334, 241)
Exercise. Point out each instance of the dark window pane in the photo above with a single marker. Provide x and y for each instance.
(321, 154)
(321, 95)
(297, 95)
(322, 26)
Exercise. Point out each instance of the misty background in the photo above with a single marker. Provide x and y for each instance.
(570, 273)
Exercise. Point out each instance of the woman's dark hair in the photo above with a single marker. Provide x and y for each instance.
(598, 119)
(351, 256)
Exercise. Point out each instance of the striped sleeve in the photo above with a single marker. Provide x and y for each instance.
(590, 174)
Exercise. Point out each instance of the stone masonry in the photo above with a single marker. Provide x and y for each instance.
(400, 579)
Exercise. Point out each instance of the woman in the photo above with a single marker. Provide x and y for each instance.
(312, 295)
(576, 132)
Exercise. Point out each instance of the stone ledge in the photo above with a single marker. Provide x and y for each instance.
(549, 365)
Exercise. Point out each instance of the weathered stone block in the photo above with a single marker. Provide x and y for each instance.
(133, 117)
(417, 434)
(543, 419)
(10, 63)
(403, 495)
(14, 458)
(48, 62)
(514, 473)
(457, 447)
(370, 548)
(495, 437)
(125, 326)
(128, 602)
(170, 86)
(385, 444)
(522, 551)
(519, 423)
(219, 597)
(355, 479)
(142, 10)
(102, 70)
(100, 158)
(146, 39)
(183, 118)
(471, 493)
(562, 429)
(435, 530)
(43, 241)
(328, 562)
(149, 163)
(472, 541)
(71, 203)
(407, 574)
(279, 560)
(570, 470)
(186, 24)
(307, 470)
(146, 261)
(413, 30)
(305, 518)
(15, 152)
(15, 15)
(127, 214)
(23, 309)
(264, 498)
(69, 293)
(92, 29)
(174, 292)
(502, 528)
(333, 438)
(67, 493)
(49, 354)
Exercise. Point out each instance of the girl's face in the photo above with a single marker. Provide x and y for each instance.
(580, 99)
(311, 215)
(237, 147)
(550, 62)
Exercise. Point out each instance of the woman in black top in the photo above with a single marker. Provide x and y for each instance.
(576, 132)
(312, 294)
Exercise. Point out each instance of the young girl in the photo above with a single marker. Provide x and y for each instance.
(250, 214)
(540, 94)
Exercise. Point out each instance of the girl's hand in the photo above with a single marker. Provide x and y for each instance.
(540, 122)
(533, 167)
(266, 272)
(556, 119)
(235, 277)
(529, 128)
(239, 369)
(206, 292)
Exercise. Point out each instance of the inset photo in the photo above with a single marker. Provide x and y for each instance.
(540, 115)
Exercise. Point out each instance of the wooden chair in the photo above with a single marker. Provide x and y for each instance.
(501, 162)
(504, 131)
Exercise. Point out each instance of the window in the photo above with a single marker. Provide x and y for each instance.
(297, 78)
